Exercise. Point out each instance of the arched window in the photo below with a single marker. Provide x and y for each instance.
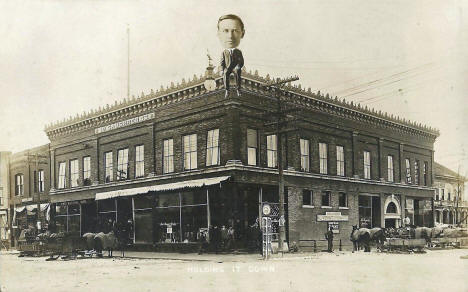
(391, 208)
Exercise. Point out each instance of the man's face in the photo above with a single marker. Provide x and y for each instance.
(230, 33)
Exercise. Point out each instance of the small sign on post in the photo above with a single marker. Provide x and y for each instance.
(267, 237)
(335, 226)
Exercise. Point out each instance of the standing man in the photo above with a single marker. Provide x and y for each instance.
(230, 32)
(329, 238)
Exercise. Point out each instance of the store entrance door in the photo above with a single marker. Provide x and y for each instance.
(369, 211)
(390, 223)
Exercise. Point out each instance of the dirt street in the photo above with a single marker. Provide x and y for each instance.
(342, 271)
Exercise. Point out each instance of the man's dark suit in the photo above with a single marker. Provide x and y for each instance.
(232, 63)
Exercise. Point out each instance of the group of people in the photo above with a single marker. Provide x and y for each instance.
(221, 238)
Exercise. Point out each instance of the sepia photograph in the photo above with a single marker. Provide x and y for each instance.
(233, 145)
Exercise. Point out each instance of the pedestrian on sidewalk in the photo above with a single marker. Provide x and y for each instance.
(329, 238)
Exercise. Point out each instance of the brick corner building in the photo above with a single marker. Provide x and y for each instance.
(177, 162)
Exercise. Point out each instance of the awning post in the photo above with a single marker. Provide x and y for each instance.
(208, 214)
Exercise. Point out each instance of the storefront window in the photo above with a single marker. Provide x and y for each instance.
(365, 211)
(178, 217)
(67, 217)
(143, 218)
(107, 214)
(410, 210)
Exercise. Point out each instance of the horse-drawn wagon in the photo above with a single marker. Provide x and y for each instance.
(54, 245)
(405, 244)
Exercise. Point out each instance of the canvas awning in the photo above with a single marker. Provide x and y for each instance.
(31, 207)
(196, 183)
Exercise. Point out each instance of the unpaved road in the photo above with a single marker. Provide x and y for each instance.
(433, 271)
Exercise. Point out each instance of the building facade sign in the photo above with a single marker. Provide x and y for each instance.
(332, 216)
(409, 203)
(125, 123)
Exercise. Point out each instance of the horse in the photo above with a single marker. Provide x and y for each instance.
(437, 232)
(89, 240)
(378, 236)
(423, 232)
(105, 241)
(454, 232)
(360, 236)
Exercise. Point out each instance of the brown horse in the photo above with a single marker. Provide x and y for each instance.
(105, 241)
(377, 235)
(423, 232)
(360, 236)
(89, 239)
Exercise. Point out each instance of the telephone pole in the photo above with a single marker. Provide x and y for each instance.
(128, 62)
(36, 182)
(277, 89)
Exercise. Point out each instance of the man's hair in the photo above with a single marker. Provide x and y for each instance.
(231, 16)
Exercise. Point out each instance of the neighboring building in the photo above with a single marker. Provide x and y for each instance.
(175, 162)
(451, 205)
(29, 173)
(4, 199)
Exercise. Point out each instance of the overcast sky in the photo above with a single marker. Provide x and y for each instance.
(60, 58)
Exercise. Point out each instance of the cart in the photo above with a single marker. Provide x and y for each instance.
(405, 245)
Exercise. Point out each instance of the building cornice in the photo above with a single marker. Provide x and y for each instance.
(251, 82)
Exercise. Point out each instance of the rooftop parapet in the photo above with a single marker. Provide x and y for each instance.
(194, 86)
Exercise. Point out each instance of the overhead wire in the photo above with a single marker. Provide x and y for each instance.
(382, 79)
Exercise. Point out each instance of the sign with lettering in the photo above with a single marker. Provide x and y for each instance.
(335, 225)
(125, 123)
(332, 216)
(409, 204)
(27, 200)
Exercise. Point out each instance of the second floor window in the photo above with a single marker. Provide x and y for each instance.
(40, 180)
(425, 173)
(307, 198)
(122, 164)
(109, 166)
(252, 146)
(408, 171)
(190, 152)
(367, 165)
(212, 148)
(340, 162)
(323, 155)
(416, 172)
(326, 198)
(168, 156)
(343, 200)
(62, 175)
(272, 149)
(390, 174)
(140, 161)
(86, 170)
(304, 145)
(74, 175)
(442, 194)
(19, 185)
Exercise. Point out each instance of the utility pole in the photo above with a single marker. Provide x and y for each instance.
(128, 62)
(36, 157)
(276, 88)
(460, 182)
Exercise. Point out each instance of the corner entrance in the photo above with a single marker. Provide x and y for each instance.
(392, 211)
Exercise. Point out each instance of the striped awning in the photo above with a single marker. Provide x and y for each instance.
(196, 183)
